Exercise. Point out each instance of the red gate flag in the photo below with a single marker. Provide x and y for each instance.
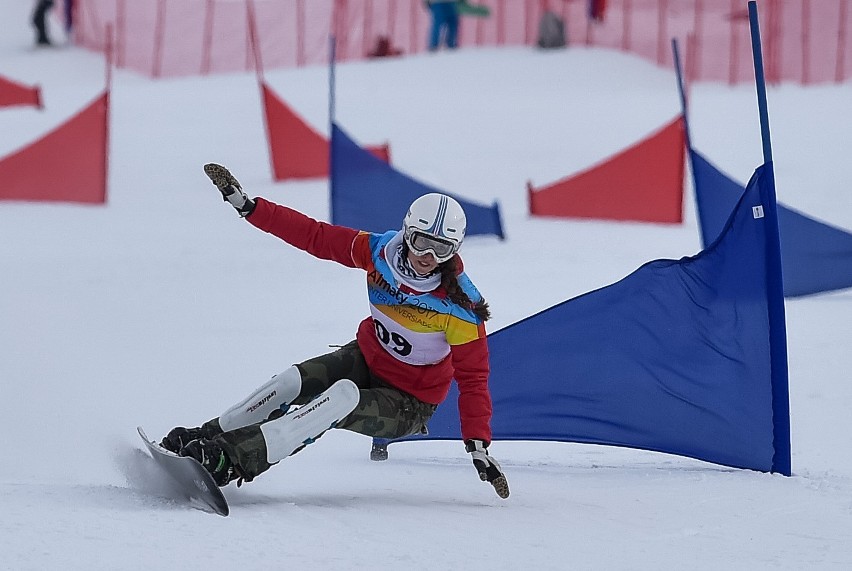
(13, 93)
(297, 150)
(642, 183)
(69, 164)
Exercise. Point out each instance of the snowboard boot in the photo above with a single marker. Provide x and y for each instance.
(212, 458)
(180, 436)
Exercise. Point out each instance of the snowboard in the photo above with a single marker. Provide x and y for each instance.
(191, 478)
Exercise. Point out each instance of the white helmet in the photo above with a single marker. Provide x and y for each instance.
(435, 224)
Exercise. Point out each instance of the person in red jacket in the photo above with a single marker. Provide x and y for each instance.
(426, 327)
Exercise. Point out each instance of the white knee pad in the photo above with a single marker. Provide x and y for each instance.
(302, 425)
(282, 389)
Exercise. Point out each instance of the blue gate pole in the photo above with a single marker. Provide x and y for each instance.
(760, 80)
(781, 459)
(681, 90)
(332, 48)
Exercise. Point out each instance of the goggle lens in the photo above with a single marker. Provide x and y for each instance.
(422, 244)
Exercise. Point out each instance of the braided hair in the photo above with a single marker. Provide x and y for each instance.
(450, 282)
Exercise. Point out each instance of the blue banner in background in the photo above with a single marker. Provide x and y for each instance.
(682, 356)
(369, 194)
(816, 257)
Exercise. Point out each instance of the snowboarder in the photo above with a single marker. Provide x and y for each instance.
(426, 328)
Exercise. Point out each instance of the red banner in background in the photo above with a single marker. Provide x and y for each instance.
(14, 93)
(296, 149)
(643, 183)
(69, 164)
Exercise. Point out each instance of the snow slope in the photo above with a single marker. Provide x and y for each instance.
(163, 308)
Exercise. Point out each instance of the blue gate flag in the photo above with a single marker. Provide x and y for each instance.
(716, 196)
(816, 257)
(369, 194)
(686, 356)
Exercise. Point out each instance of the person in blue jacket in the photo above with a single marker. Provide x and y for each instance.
(445, 24)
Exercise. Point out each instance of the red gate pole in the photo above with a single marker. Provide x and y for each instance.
(109, 53)
(806, 27)
(120, 31)
(840, 70)
(207, 40)
(501, 22)
(695, 43)
(662, 17)
(773, 37)
(159, 31)
(733, 63)
(301, 31)
(690, 65)
(367, 27)
(479, 32)
(109, 60)
(779, 35)
(392, 21)
(254, 41)
(342, 37)
(412, 27)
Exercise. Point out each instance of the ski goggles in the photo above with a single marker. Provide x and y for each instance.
(422, 244)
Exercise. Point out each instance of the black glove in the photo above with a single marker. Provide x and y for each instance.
(488, 468)
(230, 188)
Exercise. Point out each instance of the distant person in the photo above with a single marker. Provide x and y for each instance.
(69, 16)
(445, 24)
(42, 7)
(597, 10)
(551, 32)
(384, 48)
(426, 328)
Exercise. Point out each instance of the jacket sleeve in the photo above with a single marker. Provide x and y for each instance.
(320, 239)
(470, 362)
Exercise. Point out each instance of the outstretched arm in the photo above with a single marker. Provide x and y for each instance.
(320, 239)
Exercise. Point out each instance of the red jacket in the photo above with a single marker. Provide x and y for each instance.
(467, 360)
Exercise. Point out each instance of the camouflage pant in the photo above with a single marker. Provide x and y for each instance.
(382, 411)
